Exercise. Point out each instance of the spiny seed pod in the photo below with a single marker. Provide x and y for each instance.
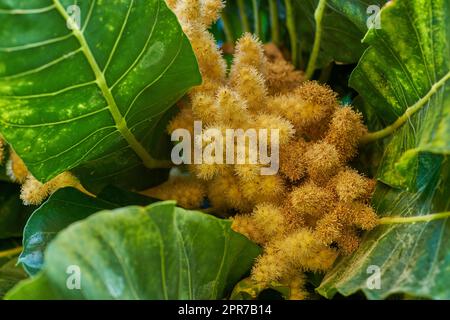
(349, 185)
(323, 161)
(310, 199)
(346, 130)
(189, 193)
(249, 51)
(249, 84)
(292, 160)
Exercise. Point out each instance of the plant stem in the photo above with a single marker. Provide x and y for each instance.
(256, 18)
(372, 136)
(275, 26)
(424, 218)
(10, 252)
(318, 15)
(290, 24)
(243, 16)
(227, 27)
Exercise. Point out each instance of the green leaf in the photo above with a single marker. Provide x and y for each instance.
(92, 99)
(10, 275)
(156, 252)
(63, 208)
(344, 25)
(412, 258)
(403, 76)
(13, 214)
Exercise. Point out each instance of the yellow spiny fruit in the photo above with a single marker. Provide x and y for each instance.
(322, 161)
(172, 4)
(204, 107)
(224, 192)
(292, 160)
(309, 108)
(315, 202)
(211, 64)
(249, 51)
(231, 109)
(34, 192)
(348, 241)
(281, 76)
(358, 214)
(310, 199)
(16, 168)
(269, 219)
(346, 130)
(271, 266)
(350, 185)
(210, 11)
(188, 193)
(263, 189)
(249, 84)
(245, 225)
(328, 228)
(188, 10)
(297, 250)
(268, 121)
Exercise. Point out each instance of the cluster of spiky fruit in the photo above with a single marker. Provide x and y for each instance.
(314, 208)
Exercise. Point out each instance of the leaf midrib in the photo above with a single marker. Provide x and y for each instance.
(119, 120)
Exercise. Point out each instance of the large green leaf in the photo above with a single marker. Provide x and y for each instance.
(413, 257)
(63, 208)
(404, 76)
(13, 214)
(92, 98)
(344, 24)
(156, 252)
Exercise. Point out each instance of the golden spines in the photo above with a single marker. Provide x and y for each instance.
(245, 225)
(311, 199)
(345, 131)
(323, 161)
(248, 52)
(210, 11)
(224, 192)
(204, 108)
(231, 109)
(315, 202)
(281, 76)
(250, 85)
(269, 121)
(270, 220)
(263, 189)
(34, 192)
(189, 193)
(348, 241)
(349, 185)
(292, 160)
(299, 250)
(16, 168)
